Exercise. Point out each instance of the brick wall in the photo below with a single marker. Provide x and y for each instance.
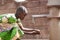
(8, 6)
(34, 7)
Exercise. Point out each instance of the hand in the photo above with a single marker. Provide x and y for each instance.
(36, 31)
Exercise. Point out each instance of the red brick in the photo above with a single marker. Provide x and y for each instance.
(33, 0)
(32, 10)
(33, 4)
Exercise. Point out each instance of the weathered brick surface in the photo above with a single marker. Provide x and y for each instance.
(34, 7)
(33, 4)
